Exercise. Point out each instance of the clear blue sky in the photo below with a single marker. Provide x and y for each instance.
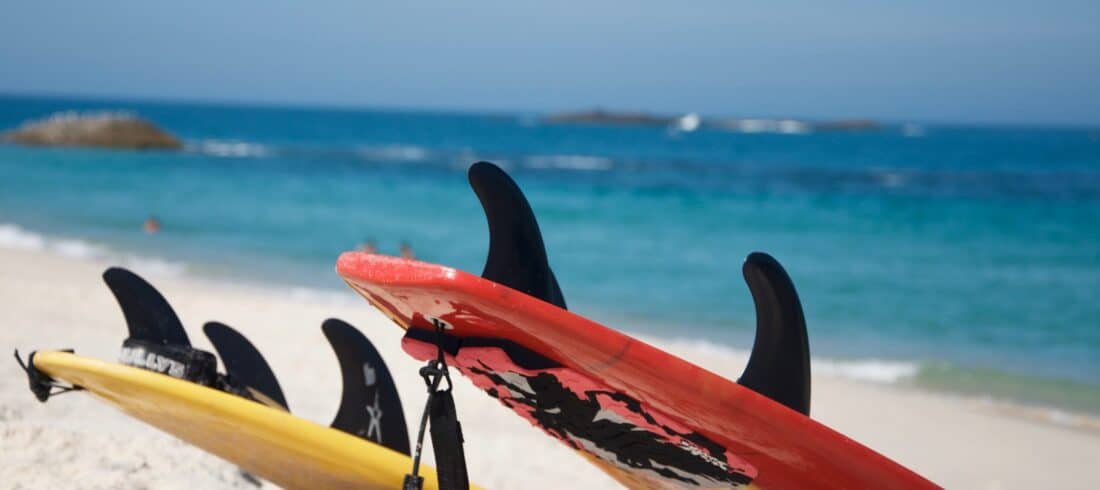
(981, 61)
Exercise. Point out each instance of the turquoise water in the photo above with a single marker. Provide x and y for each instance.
(971, 253)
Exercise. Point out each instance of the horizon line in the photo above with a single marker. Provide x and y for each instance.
(354, 107)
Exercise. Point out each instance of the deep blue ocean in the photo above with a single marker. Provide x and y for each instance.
(956, 258)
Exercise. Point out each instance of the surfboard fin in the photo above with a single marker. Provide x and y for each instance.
(369, 407)
(517, 256)
(779, 366)
(149, 317)
(245, 365)
(157, 340)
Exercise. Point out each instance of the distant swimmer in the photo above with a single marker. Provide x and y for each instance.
(152, 225)
(368, 247)
(407, 251)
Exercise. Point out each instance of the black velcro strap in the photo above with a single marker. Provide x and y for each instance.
(183, 362)
(447, 442)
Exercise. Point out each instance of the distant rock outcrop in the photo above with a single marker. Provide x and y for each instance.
(600, 116)
(103, 129)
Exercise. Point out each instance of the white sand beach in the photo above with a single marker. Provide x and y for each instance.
(74, 441)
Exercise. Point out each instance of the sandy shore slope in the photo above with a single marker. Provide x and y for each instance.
(48, 301)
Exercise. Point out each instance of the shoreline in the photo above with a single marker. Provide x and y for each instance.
(909, 374)
(51, 301)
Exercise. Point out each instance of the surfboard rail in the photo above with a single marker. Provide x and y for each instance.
(289, 451)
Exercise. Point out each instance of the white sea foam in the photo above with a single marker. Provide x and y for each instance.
(753, 126)
(230, 148)
(149, 265)
(790, 126)
(16, 237)
(569, 162)
(76, 248)
(687, 123)
(873, 370)
(12, 236)
(883, 371)
(781, 126)
(404, 153)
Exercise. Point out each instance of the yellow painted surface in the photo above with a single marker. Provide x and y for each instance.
(270, 443)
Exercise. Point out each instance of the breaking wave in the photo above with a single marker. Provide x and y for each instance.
(404, 153)
(569, 162)
(873, 370)
(884, 371)
(230, 149)
(19, 238)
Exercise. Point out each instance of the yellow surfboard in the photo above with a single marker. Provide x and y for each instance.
(272, 444)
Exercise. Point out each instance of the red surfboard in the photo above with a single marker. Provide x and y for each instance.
(646, 417)
(744, 436)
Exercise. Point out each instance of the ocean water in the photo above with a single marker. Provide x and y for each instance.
(955, 258)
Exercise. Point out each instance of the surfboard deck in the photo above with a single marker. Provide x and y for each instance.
(653, 419)
(270, 443)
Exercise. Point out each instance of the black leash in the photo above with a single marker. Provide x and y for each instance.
(41, 385)
(450, 459)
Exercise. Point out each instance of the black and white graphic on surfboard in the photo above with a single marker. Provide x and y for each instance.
(374, 424)
(374, 410)
(369, 377)
(368, 390)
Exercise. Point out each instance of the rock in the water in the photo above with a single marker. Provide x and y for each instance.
(600, 116)
(105, 129)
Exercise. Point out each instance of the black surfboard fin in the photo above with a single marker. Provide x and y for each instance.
(517, 256)
(245, 365)
(369, 407)
(779, 366)
(149, 317)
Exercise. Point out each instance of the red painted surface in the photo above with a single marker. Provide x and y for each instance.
(470, 360)
(786, 448)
